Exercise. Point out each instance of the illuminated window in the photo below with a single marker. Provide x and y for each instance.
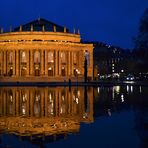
(11, 57)
(24, 59)
(63, 57)
(87, 57)
(37, 57)
(50, 57)
(75, 58)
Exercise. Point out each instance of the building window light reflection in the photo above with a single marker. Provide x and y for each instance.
(11, 98)
(98, 90)
(77, 100)
(122, 98)
(109, 112)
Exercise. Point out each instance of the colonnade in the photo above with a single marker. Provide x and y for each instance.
(16, 67)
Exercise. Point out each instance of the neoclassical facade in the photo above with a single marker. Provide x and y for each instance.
(43, 51)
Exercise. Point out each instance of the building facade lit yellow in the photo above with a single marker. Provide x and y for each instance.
(43, 51)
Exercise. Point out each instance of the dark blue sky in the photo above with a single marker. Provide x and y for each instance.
(111, 21)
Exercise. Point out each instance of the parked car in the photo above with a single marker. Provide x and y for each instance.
(130, 77)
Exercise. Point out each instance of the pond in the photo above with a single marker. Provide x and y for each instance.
(105, 117)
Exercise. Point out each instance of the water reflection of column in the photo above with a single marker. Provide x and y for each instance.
(4, 103)
(20, 102)
(69, 102)
(13, 94)
(59, 103)
(42, 102)
(56, 99)
(27, 102)
(1, 102)
(31, 103)
(46, 102)
(90, 104)
(65, 102)
(81, 102)
(17, 102)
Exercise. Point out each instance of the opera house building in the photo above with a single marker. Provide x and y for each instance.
(43, 51)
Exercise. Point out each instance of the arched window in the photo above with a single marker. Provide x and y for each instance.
(87, 57)
(37, 57)
(50, 57)
(63, 57)
(24, 58)
(11, 57)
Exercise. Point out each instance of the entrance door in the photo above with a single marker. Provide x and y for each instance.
(10, 73)
(50, 72)
(63, 71)
(23, 72)
(37, 72)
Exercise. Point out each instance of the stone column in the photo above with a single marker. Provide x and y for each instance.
(56, 63)
(5, 62)
(69, 64)
(14, 72)
(31, 62)
(20, 63)
(28, 61)
(59, 63)
(46, 63)
(42, 63)
(72, 67)
(17, 63)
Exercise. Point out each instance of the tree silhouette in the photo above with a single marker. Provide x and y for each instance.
(141, 41)
(140, 52)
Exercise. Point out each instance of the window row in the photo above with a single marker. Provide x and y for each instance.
(37, 57)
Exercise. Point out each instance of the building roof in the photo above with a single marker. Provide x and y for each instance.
(39, 24)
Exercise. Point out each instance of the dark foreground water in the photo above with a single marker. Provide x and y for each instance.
(103, 117)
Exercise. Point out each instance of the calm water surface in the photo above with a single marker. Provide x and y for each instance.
(104, 117)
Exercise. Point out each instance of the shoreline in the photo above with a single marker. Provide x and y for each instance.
(71, 84)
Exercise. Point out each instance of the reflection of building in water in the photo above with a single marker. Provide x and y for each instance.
(48, 111)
